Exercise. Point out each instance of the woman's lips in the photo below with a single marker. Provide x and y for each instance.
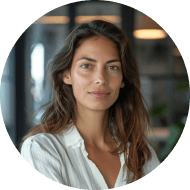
(99, 92)
(98, 95)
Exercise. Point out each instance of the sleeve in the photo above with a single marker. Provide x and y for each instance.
(38, 156)
(152, 163)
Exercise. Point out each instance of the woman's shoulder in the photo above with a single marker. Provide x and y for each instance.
(42, 143)
(43, 153)
(34, 145)
(41, 138)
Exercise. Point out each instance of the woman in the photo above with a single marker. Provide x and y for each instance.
(93, 133)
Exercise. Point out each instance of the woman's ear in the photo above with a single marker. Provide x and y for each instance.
(122, 85)
(67, 77)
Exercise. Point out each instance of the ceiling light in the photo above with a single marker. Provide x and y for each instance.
(146, 28)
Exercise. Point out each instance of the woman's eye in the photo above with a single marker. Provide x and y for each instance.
(115, 66)
(90, 65)
(83, 65)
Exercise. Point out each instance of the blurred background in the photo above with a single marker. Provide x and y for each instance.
(164, 81)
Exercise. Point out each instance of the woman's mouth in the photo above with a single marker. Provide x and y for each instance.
(99, 95)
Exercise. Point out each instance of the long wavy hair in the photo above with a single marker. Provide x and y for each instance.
(128, 116)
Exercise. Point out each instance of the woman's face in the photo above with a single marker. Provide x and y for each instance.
(96, 74)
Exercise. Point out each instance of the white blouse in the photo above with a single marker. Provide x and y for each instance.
(63, 158)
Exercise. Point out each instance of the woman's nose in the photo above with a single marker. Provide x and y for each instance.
(100, 77)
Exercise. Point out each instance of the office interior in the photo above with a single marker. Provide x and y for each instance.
(164, 80)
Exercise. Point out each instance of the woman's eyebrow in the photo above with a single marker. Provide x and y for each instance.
(93, 60)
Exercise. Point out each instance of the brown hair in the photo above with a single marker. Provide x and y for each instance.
(128, 113)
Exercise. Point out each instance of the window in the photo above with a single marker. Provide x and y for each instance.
(37, 71)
